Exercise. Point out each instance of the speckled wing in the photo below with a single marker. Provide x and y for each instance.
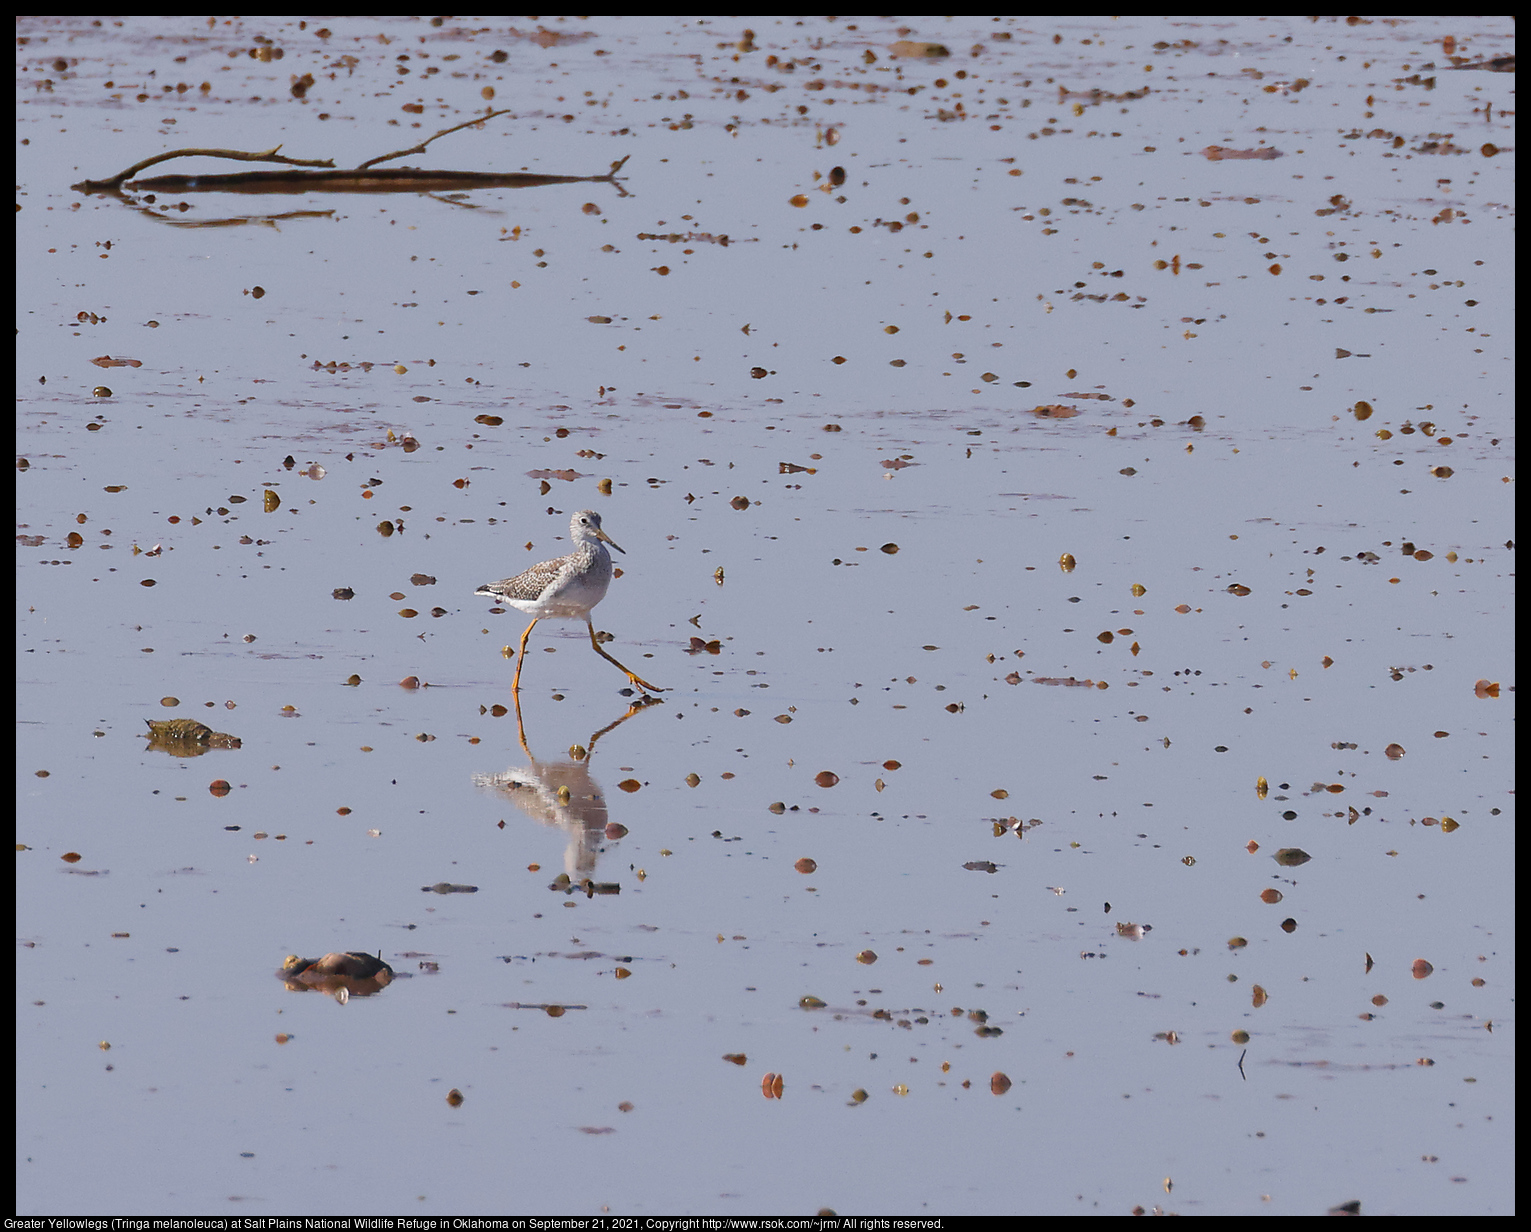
(529, 585)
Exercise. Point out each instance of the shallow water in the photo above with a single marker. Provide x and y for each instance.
(903, 451)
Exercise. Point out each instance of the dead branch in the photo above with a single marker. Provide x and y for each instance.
(262, 156)
(365, 177)
(420, 148)
(377, 180)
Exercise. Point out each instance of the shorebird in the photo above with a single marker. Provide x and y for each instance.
(565, 588)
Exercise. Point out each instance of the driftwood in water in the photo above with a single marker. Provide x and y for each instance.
(381, 180)
(363, 178)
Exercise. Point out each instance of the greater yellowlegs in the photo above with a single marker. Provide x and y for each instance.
(565, 588)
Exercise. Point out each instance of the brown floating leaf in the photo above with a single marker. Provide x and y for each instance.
(1393, 752)
(1218, 152)
(1291, 857)
(999, 1082)
(454, 1097)
(219, 787)
(1486, 688)
(826, 778)
(1420, 969)
(806, 865)
(908, 49)
(629, 785)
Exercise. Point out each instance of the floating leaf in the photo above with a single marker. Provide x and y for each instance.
(908, 49)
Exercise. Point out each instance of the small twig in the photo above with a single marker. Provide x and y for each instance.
(611, 176)
(420, 148)
(262, 156)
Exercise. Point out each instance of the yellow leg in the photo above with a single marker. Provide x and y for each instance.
(515, 685)
(636, 679)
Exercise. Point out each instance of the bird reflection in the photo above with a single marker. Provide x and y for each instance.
(562, 793)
